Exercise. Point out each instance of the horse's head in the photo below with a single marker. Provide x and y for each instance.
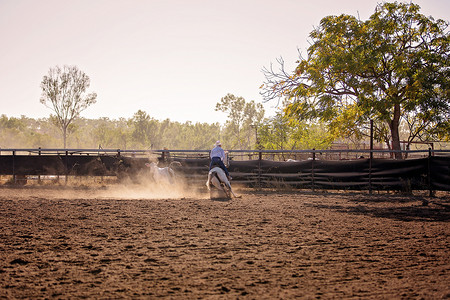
(151, 165)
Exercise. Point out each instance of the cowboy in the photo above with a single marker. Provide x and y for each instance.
(217, 156)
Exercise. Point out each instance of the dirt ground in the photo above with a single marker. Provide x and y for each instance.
(97, 243)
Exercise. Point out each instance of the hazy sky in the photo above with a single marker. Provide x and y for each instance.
(171, 58)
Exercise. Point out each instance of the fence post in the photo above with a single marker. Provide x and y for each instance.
(39, 176)
(66, 167)
(14, 166)
(259, 168)
(312, 169)
(370, 157)
(370, 172)
(430, 188)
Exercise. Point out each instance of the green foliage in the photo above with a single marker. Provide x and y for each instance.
(144, 130)
(26, 132)
(281, 133)
(111, 134)
(392, 68)
(243, 118)
(139, 132)
(275, 133)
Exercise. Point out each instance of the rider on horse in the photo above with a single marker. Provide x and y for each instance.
(217, 157)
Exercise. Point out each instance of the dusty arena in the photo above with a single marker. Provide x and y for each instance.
(112, 243)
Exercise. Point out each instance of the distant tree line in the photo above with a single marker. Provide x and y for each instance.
(246, 128)
(139, 132)
(144, 132)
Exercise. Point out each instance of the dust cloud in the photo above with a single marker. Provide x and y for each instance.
(148, 189)
(141, 187)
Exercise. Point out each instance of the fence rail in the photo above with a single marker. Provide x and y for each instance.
(76, 151)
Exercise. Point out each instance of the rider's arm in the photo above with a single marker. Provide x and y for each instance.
(222, 155)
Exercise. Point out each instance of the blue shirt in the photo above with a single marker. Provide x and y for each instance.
(217, 151)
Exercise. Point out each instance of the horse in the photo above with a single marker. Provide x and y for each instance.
(218, 178)
(160, 175)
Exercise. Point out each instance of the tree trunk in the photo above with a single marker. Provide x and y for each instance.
(395, 123)
(65, 136)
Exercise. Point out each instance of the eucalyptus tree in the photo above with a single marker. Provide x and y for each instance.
(64, 90)
(144, 130)
(392, 67)
(242, 116)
